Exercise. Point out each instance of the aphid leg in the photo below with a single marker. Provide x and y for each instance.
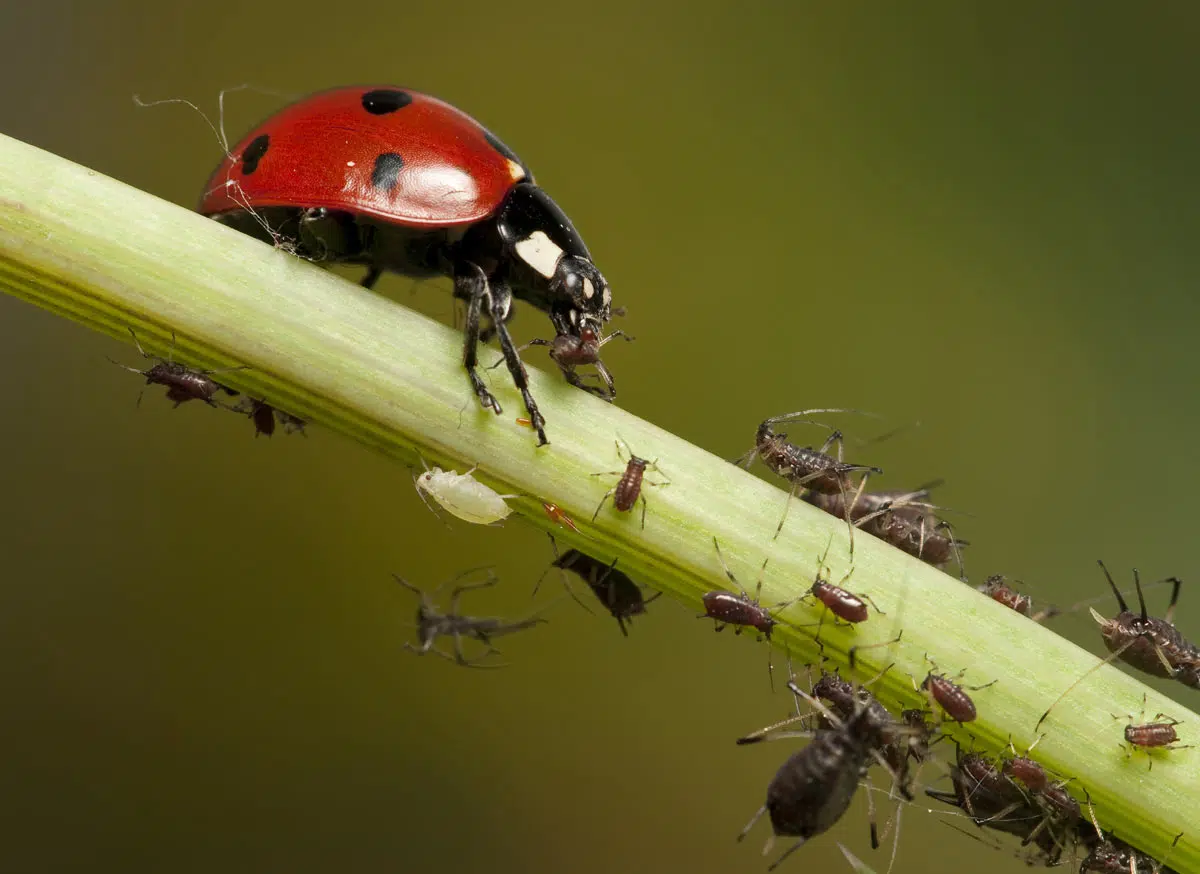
(607, 494)
(563, 574)
(372, 276)
(793, 848)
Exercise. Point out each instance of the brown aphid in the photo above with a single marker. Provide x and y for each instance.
(291, 424)
(431, 624)
(803, 466)
(569, 351)
(1148, 643)
(620, 595)
(740, 610)
(1061, 814)
(183, 383)
(920, 534)
(953, 698)
(994, 801)
(628, 489)
(997, 588)
(1156, 735)
(841, 602)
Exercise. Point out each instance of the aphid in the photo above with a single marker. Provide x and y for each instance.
(183, 383)
(1149, 644)
(805, 467)
(261, 414)
(559, 517)
(431, 624)
(815, 786)
(569, 351)
(1146, 642)
(993, 801)
(1151, 735)
(462, 496)
(740, 610)
(997, 588)
(1061, 814)
(914, 529)
(863, 503)
(628, 489)
(841, 602)
(620, 595)
(1113, 856)
(953, 698)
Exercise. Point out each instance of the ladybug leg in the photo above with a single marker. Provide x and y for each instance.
(372, 276)
(472, 286)
(500, 301)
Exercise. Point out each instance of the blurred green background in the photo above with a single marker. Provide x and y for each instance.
(982, 221)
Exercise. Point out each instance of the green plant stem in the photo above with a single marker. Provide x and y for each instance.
(114, 258)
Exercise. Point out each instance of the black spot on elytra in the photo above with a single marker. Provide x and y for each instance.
(385, 100)
(386, 169)
(254, 153)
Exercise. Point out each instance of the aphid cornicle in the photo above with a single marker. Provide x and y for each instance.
(183, 383)
(461, 495)
(431, 624)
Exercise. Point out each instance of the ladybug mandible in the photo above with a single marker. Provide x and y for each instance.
(397, 180)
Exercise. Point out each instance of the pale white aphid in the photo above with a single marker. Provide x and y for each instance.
(462, 496)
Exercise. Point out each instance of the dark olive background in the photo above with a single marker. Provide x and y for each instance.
(982, 221)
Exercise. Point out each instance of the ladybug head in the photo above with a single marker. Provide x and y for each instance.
(586, 299)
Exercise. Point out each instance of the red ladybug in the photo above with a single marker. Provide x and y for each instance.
(397, 180)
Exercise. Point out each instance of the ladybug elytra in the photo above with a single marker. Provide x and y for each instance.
(397, 180)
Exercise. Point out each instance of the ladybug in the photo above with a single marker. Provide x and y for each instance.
(397, 180)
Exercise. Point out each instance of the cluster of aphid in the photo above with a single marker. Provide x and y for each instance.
(185, 384)
(394, 180)
(851, 730)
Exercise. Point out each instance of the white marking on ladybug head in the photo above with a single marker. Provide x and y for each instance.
(515, 171)
(606, 297)
(588, 289)
(540, 253)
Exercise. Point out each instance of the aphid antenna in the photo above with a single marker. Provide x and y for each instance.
(799, 415)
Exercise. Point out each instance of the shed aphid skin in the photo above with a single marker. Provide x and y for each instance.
(628, 490)
(803, 466)
(863, 503)
(742, 611)
(1159, 734)
(997, 588)
(461, 495)
(431, 624)
(1150, 644)
(620, 595)
(183, 383)
(814, 787)
(951, 697)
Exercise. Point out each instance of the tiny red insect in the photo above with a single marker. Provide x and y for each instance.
(397, 180)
